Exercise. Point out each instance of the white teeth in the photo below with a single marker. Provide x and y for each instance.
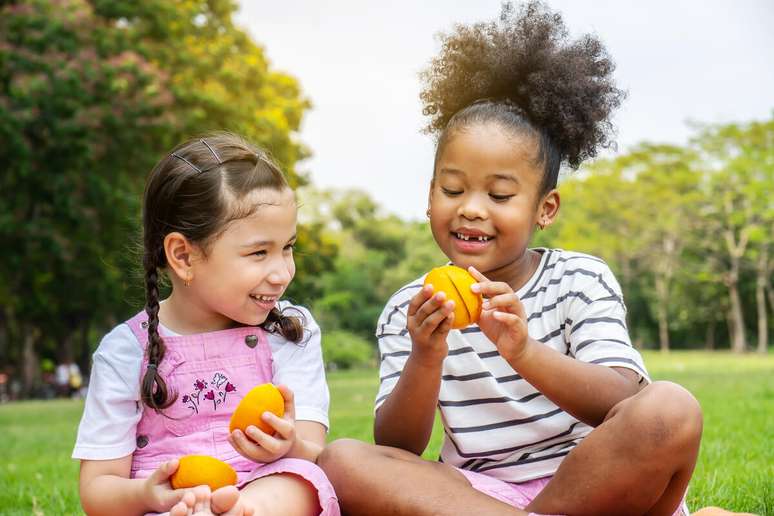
(263, 298)
(480, 238)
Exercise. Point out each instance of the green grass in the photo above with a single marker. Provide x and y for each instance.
(735, 469)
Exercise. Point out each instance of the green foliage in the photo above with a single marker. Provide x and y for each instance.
(345, 350)
(91, 94)
(683, 228)
(377, 254)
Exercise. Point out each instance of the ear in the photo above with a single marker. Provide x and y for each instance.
(180, 255)
(548, 209)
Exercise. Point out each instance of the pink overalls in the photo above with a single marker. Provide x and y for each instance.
(211, 372)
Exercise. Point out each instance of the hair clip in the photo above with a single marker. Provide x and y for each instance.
(181, 158)
(217, 158)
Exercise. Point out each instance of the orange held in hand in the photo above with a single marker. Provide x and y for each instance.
(262, 398)
(455, 282)
(197, 470)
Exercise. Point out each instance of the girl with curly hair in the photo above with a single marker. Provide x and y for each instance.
(546, 406)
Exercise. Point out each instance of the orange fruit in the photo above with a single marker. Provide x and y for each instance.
(261, 398)
(197, 470)
(455, 282)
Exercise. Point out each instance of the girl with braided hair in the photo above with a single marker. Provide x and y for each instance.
(546, 406)
(219, 219)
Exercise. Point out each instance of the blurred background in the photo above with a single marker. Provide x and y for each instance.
(92, 93)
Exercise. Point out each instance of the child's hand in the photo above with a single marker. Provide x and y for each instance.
(430, 318)
(502, 319)
(259, 446)
(158, 492)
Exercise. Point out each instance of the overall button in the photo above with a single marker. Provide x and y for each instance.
(251, 340)
(142, 441)
(144, 325)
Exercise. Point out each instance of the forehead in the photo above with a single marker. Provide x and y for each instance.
(272, 216)
(490, 150)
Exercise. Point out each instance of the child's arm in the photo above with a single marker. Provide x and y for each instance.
(586, 391)
(405, 419)
(105, 488)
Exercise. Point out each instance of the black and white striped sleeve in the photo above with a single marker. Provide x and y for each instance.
(598, 333)
(394, 341)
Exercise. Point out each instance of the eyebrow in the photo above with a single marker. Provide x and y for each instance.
(504, 177)
(261, 243)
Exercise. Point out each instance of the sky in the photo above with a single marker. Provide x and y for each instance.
(681, 61)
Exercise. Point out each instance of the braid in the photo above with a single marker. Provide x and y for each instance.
(289, 327)
(154, 389)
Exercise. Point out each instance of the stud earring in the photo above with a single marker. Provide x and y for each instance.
(428, 213)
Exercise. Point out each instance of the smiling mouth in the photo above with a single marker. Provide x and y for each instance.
(474, 238)
(264, 299)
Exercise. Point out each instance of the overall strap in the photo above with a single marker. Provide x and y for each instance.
(139, 326)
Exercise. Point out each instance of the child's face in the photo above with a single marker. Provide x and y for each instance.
(251, 264)
(484, 198)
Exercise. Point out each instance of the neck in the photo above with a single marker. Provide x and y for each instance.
(517, 272)
(184, 315)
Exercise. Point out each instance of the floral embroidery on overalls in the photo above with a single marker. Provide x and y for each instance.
(219, 382)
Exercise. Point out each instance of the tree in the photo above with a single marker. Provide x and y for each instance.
(739, 163)
(667, 183)
(77, 113)
(91, 95)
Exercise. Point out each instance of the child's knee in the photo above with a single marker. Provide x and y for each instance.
(666, 417)
(341, 454)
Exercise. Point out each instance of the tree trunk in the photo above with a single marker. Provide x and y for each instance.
(662, 314)
(709, 341)
(760, 300)
(30, 366)
(738, 341)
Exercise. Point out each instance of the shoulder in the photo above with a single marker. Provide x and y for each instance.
(580, 269)
(119, 344)
(117, 360)
(402, 296)
(396, 308)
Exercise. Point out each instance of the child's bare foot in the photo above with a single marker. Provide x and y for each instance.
(717, 511)
(226, 501)
(194, 502)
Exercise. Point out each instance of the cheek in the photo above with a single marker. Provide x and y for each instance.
(291, 267)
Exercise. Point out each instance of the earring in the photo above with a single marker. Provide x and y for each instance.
(187, 281)
(428, 213)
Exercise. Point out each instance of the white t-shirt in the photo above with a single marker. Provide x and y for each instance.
(113, 407)
(495, 422)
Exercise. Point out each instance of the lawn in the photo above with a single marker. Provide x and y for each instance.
(735, 469)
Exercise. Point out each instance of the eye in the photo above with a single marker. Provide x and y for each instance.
(450, 192)
(260, 253)
(290, 247)
(500, 198)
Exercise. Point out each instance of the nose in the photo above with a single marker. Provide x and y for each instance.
(282, 271)
(472, 207)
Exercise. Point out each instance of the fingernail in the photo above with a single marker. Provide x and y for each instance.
(476, 287)
(485, 305)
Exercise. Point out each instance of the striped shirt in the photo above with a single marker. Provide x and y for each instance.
(494, 421)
